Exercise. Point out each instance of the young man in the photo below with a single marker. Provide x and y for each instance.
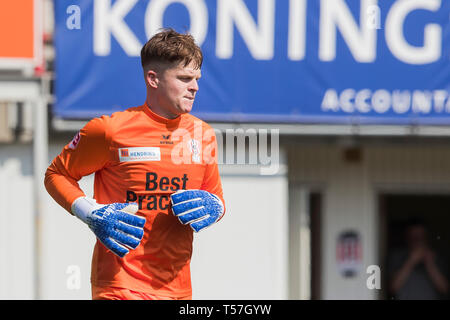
(416, 271)
(156, 180)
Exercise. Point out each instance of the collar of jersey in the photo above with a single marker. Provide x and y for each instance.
(158, 118)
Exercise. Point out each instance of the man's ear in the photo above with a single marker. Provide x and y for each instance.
(152, 78)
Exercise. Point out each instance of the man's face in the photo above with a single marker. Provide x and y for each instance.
(177, 88)
(416, 236)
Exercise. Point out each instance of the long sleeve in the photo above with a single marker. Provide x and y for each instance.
(86, 153)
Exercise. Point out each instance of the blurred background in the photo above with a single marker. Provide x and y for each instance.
(333, 122)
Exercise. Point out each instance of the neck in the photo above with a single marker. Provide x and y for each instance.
(160, 111)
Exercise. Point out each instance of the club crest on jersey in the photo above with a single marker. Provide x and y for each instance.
(139, 154)
(194, 147)
(73, 144)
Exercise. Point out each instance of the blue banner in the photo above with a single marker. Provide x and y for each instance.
(294, 61)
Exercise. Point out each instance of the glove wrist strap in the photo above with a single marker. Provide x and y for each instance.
(82, 207)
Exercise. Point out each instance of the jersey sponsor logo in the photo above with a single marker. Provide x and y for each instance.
(155, 183)
(73, 144)
(124, 153)
(139, 154)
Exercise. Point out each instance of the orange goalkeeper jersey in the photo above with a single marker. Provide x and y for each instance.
(140, 157)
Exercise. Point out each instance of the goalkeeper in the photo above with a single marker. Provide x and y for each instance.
(156, 179)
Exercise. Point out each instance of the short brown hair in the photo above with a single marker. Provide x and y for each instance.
(170, 47)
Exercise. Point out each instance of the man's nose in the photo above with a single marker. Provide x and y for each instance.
(193, 86)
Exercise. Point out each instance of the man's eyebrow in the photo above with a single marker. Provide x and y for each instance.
(191, 74)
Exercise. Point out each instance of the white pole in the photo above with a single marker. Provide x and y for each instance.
(40, 159)
(300, 243)
(305, 245)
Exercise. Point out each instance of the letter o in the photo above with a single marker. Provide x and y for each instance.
(381, 101)
(198, 14)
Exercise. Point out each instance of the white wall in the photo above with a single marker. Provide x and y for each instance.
(350, 197)
(16, 223)
(65, 240)
(67, 246)
(242, 257)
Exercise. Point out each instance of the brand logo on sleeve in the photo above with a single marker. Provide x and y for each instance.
(73, 144)
(140, 154)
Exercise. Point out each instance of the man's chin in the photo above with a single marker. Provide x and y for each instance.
(186, 109)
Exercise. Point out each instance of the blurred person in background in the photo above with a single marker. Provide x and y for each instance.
(417, 272)
(147, 200)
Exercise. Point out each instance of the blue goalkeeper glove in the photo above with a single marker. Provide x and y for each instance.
(115, 224)
(198, 208)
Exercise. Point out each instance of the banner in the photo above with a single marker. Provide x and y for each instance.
(21, 42)
(293, 61)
